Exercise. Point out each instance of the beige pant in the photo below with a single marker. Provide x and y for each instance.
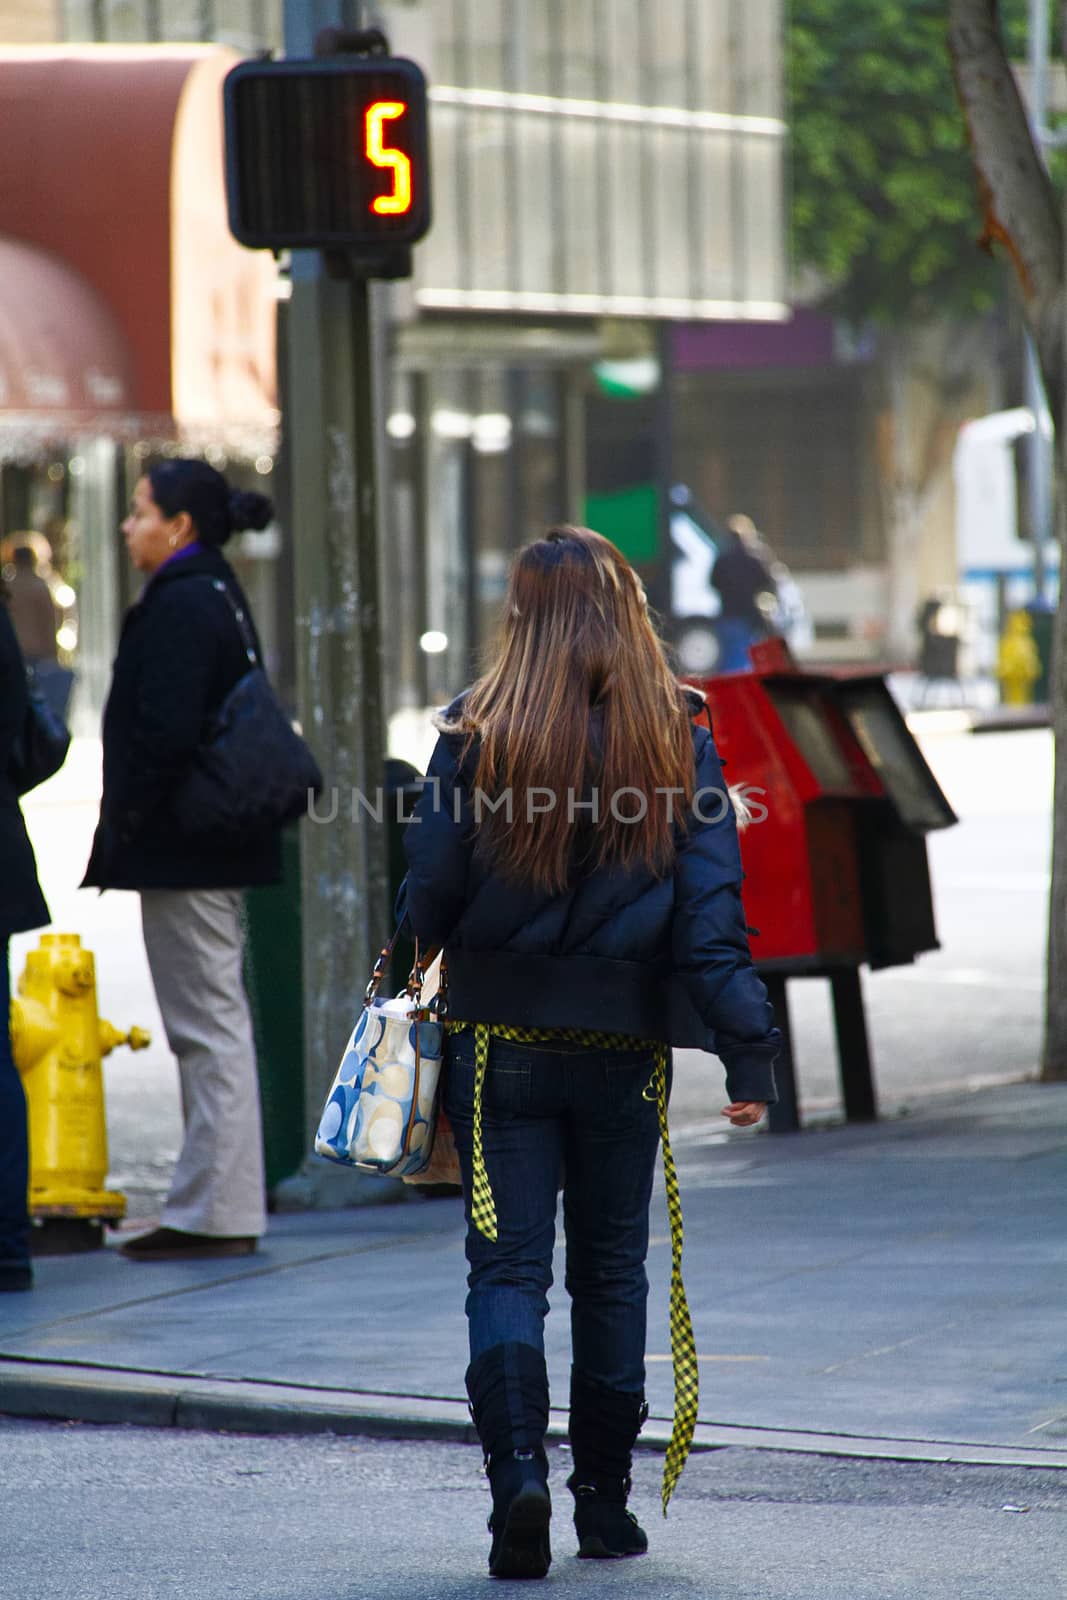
(193, 940)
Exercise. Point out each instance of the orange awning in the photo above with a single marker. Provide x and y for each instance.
(63, 358)
(111, 160)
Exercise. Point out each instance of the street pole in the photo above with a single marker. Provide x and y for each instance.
(329, 422)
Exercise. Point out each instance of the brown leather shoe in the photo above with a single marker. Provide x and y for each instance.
(170, 1244)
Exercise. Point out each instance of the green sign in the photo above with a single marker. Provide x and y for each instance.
(629, 518)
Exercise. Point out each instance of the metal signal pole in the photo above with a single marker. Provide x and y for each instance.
(329, 423)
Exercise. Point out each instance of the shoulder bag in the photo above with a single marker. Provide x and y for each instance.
(253, 773)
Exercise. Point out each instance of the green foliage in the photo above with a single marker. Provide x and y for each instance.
(885, 204)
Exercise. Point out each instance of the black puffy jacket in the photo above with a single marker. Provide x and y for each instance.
(21, 903)
(180, 653)
(619, 951)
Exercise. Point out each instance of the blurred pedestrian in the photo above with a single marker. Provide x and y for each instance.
(742, 576)
(587, 925)
(33, 610)
(36, 619)
(180, 653)
(22, 907)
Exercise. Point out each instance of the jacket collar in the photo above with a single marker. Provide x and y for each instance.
(205, 562)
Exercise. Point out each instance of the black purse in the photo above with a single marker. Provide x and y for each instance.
(253, 773)
(41, 747)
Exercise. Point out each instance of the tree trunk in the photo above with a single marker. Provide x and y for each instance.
(1054, 1053)
(933, 381)
(1018, 202)
(1022, 216)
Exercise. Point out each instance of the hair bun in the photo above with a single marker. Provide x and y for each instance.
(249, 510)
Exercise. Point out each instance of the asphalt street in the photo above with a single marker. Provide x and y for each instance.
(966, 1015)
(121, 1513)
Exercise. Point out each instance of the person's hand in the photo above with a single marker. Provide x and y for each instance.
(744, 1113)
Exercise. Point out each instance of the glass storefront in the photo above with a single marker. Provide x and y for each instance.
(787, 449)
(62, 503)
(68, 505)
(492, 442)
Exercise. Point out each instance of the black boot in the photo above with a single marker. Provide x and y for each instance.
(604, 1424)
(508, 1389)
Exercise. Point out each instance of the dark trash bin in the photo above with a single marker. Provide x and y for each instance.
(274, 981)
(939, 656)
(1041, 613)
(939, 647)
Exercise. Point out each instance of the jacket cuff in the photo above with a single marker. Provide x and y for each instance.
(752, 1080)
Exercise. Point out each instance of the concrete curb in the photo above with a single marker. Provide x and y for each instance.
(1012, 719)
(80, 1393)
(62, 1392)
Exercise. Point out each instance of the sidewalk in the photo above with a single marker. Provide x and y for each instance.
(897, 1290)
(967, 1015)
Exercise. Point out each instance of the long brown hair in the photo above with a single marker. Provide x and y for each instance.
(578, 700)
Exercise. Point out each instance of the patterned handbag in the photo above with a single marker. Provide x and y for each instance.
(381, 1112)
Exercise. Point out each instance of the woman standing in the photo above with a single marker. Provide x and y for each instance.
(577, 858)
(22, 907)
(181, 651)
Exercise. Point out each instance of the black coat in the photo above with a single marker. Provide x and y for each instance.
(740, 578)
(180, 653)
(620, 951)
(22, 904)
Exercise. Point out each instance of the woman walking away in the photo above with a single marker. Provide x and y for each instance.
(184, 646)
(577, 858)
(21, 907)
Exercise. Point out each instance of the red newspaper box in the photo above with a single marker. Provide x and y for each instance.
(835, 857)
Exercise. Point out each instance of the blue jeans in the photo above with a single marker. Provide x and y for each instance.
(585, 1118)
(14, 1140)
(735, 636)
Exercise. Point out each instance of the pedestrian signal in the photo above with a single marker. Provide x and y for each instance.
(327, 154)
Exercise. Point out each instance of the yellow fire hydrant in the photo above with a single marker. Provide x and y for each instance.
(1018, 661)
(58, 1040)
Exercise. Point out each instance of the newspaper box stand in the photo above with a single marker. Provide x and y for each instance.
(836, 872)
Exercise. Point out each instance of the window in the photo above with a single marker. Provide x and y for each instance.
(245, 25)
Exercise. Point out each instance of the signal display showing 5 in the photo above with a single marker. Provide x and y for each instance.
(382, 156)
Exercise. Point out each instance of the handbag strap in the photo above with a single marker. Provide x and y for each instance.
(380, 965)
(416, 977)
(243, 626)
